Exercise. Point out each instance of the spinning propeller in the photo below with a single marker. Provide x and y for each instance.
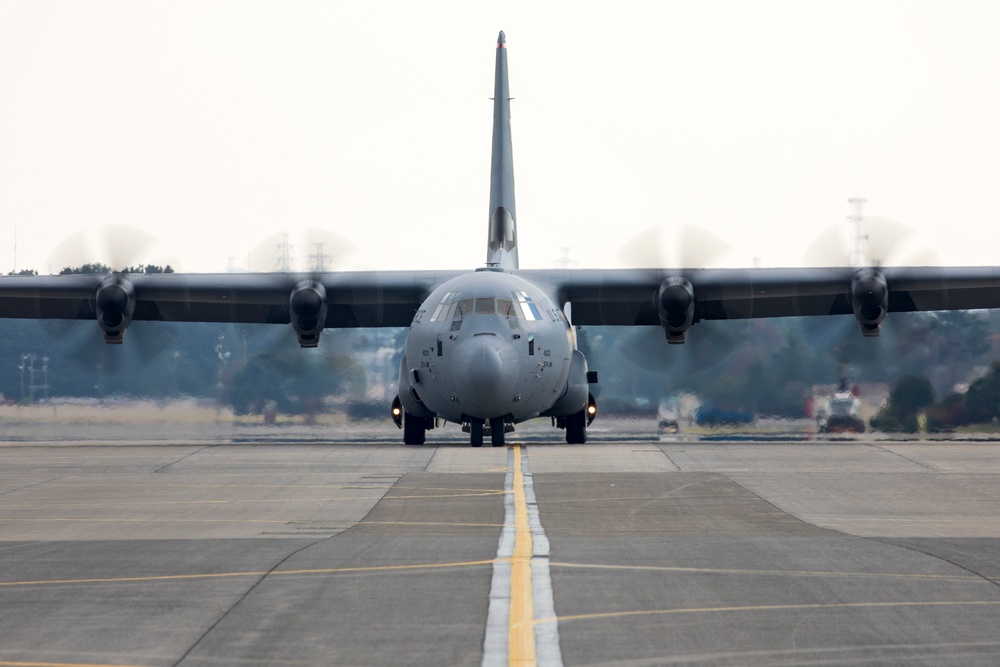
(318, 251)
(116, 247)
(689, 248)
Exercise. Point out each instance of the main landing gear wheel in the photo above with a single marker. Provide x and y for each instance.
(476, 432)
(576, 428)
(414, 430)
(496, 430)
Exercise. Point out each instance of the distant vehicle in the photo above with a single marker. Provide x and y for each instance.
(843, 414)
(675, 409)
(710, 415)
(667, 425)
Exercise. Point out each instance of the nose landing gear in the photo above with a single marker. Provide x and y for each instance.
(476, 432)
(497, 431)
(496, 427)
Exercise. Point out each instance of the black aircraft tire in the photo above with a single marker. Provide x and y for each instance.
(476, 432)
(496, 428)
(414, 430)
(576, 428)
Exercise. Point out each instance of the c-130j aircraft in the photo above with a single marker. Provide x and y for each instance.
(494, 347)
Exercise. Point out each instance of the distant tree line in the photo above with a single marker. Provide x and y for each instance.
(99, 269)
(243, 365)
(912, 405)
(770, 365)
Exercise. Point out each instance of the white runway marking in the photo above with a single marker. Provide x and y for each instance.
(496, 651)
(547, 634)
(498, 618)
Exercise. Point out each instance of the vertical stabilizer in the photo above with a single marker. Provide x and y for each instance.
(502, 249)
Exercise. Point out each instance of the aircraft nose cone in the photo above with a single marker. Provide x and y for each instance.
(485, 373)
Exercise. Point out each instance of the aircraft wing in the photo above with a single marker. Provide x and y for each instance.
(597, 297)
(354, 298)
(654, 296)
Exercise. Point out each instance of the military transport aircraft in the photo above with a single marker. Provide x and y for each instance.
(493, 347)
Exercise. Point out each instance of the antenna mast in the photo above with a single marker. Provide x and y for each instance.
(319, 258)
(283, 254)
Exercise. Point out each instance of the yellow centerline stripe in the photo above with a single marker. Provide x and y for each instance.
(494, 492)
(779, 573)
(168, 485)
(428, 523)
(521, 628)
(775, 607)
(242, 501)
(4, 663)
(221, 575)
(447, 495)
(33, 519)
(291, 522)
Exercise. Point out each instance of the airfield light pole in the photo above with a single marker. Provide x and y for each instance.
(21, 366)
(28, 364)
(857, 215)
(45, 377)
(31, 378)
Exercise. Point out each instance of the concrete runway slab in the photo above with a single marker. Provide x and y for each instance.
(370, 553)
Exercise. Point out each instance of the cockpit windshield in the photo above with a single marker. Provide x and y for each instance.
(453, 307)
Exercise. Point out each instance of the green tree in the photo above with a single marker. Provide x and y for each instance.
(982, 401)
(148, 268)
(99, 269)
(295, 380)
(908, 398)
(95, 269)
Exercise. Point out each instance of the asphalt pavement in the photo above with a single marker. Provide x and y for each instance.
(354, 550)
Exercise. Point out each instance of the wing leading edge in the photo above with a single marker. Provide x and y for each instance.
(353, 299)
(624, 297)
(682, 297)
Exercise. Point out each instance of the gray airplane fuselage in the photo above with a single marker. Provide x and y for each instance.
(487, 345)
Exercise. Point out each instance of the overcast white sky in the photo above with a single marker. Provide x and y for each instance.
(215, 124)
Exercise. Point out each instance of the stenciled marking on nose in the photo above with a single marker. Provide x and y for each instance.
(484, 375)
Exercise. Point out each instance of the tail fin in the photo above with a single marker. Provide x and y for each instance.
(502, 249)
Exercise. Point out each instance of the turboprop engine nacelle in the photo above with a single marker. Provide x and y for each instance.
(115, 304)
(870, 300)
(674, 302)
(307, 304)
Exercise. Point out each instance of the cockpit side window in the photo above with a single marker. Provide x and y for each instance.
(446, 308)
(529, 310)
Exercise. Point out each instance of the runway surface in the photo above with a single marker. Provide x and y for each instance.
(627, 552)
